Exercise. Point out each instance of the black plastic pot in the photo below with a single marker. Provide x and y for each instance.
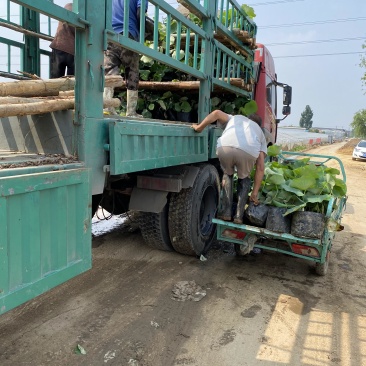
(308, 224)
(276, 221)
(184, 116)
(256, 215)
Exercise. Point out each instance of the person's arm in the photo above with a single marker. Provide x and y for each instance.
(259, 174)
(214, 116)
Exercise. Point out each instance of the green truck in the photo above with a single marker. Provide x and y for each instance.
(58, 165)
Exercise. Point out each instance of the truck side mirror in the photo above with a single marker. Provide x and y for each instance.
(286, 110)
(287, 95)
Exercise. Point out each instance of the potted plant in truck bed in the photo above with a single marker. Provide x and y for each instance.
(303, 188)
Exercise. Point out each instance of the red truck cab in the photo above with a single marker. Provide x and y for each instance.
(265, 93)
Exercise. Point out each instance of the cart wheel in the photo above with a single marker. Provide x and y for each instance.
(321, 269)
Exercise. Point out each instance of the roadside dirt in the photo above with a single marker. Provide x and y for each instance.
(269, 310)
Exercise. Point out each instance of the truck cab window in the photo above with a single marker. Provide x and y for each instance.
(271, 94)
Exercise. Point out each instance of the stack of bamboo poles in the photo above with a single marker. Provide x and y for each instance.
(27, 97)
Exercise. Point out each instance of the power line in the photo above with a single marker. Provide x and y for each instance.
(312, 23)
(276, 2)
(320, 54)
(316, 41)
(254, 4)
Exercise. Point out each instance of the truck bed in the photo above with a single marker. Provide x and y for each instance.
(18, 163)
(15, 159)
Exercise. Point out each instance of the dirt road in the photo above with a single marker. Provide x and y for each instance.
(270, 310)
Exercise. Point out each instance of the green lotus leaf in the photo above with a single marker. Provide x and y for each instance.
(340, 188)
(332, 171)
(296, 191)
(250, 108)
(317, 198)
(303, 183)
(294, 209)
(279, 204)
(276, 179)
(273, 150)
(300, 162)
(162, 104)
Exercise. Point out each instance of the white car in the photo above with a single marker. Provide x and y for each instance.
(359, 151)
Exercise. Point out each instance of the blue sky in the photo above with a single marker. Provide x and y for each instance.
(330, 84)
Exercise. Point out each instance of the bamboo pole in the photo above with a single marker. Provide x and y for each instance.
(27, 32)
(181, 85)
(240, 34)
(16, 100)
(66, 93)
(46, 106)
(34, 88)
(30, 76)
(190, 8)
(9, 75)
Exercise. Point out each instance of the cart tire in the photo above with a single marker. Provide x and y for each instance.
(321, 269)
(154, 229)
(191, 212)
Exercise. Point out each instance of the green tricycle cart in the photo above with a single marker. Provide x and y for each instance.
(246, 237)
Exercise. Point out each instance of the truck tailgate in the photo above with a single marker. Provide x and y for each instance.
(45, 230)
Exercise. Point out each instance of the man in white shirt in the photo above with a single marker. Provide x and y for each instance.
(241, 146)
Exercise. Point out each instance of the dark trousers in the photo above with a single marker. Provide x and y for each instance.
(60, 61)
(117, 56)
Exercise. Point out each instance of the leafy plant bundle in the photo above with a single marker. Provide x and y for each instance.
(171, 105)
(300, 185)
(168, 105)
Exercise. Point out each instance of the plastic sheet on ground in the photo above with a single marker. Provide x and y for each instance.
(187, 290)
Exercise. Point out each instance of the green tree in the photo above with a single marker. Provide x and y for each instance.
(359, 123)
(306, 118)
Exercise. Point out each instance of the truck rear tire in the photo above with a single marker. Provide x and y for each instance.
(154, 229)
(95, 203)
(191, 212)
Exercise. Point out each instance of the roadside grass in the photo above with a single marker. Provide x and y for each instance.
(299, 148)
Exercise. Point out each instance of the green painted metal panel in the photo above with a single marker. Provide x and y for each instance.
(54, 11)
(45, 227)
(31, 56)
(136, 146)
(213, 135)
(222, 225)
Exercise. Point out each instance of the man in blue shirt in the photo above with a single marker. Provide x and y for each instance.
(116, 55)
